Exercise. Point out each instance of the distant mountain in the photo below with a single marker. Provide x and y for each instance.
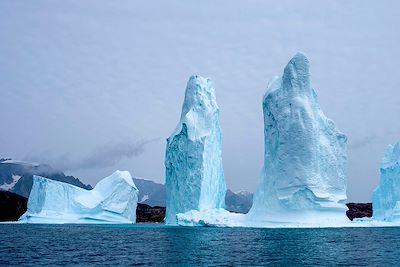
(153, 194)
(17, 176)
(150, 193)
(240, 202)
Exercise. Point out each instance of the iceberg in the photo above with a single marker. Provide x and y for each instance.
(113, 200)
(193, 160)
(386, 197)
(303, 179)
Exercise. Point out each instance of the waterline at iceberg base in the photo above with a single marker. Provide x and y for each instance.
(224, 218)
(113, 200)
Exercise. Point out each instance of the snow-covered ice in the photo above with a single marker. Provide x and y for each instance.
(113, 200)
(386, 197)
(193, 161)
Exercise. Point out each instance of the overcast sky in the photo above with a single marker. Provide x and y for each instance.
(94, 86)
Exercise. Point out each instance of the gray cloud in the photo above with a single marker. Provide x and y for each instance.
(361, 142)
(106, 155)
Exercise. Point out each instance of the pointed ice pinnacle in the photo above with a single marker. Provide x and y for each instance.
(386, 197)
(193, 161)
(304, 173)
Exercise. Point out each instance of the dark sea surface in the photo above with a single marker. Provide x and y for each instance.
(157, 245)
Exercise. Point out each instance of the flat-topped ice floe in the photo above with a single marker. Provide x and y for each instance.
(224, 218)
(113, 200)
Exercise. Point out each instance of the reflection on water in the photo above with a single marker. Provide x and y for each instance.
(160, 245)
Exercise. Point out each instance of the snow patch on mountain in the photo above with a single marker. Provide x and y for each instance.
(10, 186)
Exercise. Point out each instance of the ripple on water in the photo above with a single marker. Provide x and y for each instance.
(111, 245)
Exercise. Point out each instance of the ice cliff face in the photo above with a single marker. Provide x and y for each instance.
(386, 197)
(113, 200)
(304, 173)
(194, 175)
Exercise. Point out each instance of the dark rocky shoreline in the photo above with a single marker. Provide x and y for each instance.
(359, 210)
(146, 213)
(12, 206)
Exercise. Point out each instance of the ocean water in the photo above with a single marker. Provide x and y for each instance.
(157, 245)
